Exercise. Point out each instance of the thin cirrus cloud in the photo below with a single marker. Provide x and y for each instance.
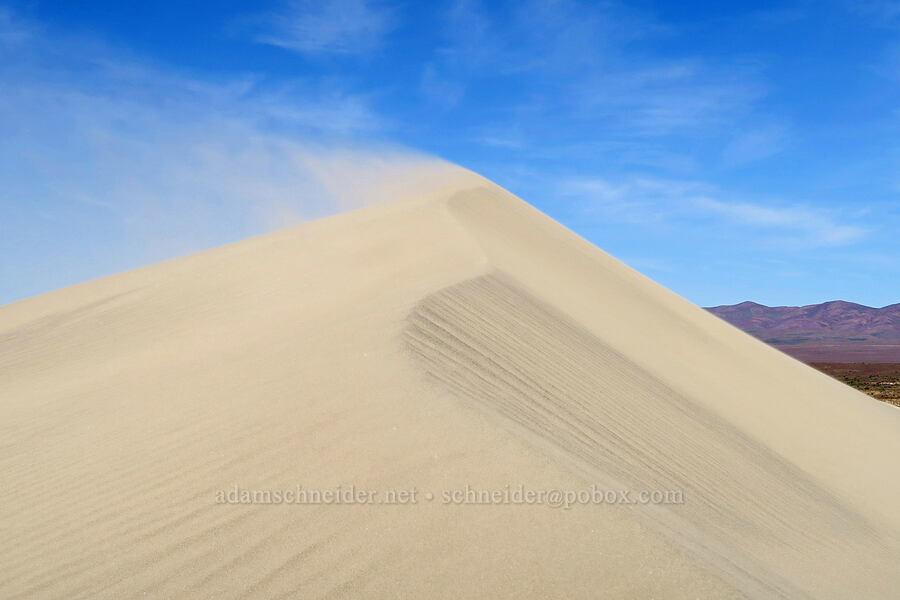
(806, 226)
(317, 28)
(635, 200)
(643, 201)
(439, 90)
(882, 12)
(753, 144)
(11, 30)
(653, 99)
(587, 68)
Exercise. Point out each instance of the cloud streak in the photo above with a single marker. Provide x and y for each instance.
(885, 13)
(588, 63)
(653, 202)
(804, 225)
(319, 28)
(12, 31)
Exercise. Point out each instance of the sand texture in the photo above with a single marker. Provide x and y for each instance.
(455, 338)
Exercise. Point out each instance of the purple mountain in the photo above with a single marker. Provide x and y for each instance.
(830, 332)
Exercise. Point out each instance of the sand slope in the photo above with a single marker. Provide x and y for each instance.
(456, 338)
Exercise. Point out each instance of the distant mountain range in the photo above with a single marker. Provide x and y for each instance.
(829, 332)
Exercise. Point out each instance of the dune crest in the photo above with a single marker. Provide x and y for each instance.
(450, 340)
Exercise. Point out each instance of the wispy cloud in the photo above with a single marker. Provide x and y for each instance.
(334, 27)
(589, 69)
(470, 41)
(12, 30)
(664, 98)
(885, 13)
(777, 16)
(754, 143)
(548, 37)
(687, 205)
(812, 227)
(636, 200)
(440, 90)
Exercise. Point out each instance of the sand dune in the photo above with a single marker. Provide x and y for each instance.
(457, 338)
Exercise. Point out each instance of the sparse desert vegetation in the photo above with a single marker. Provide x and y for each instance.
(879, 380)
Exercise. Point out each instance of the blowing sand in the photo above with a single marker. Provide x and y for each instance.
(457, 338)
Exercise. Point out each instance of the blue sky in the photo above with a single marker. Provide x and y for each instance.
(729, 150)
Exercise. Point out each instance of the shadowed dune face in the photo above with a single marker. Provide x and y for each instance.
(750, 514)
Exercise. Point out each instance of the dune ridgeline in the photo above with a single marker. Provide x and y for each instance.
(442, 390)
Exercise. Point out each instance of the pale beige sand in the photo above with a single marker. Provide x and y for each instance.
(458, 337)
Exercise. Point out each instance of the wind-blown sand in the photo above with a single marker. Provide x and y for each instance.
(456, 338)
